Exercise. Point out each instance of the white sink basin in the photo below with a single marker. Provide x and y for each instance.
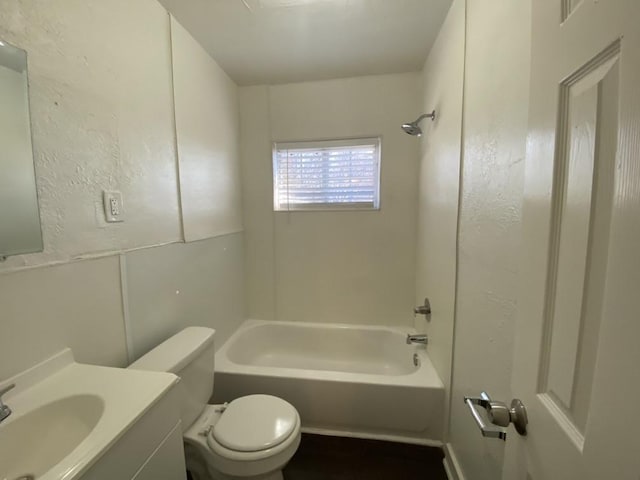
(67, 415)
(33, 443)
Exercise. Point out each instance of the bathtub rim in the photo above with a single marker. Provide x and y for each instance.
(425, 376)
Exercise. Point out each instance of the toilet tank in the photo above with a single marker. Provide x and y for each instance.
(190, 355)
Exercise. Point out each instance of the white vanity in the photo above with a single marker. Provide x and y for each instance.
(73, 421)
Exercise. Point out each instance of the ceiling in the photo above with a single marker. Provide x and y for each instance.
(282, 41)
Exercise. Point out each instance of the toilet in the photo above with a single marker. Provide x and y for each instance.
(251, 437)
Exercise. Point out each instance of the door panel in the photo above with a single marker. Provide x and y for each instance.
(579, 307)
(581, 208)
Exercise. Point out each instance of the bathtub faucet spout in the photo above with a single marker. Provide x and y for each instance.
(420, 339)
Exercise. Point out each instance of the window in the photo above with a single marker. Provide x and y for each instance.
(327, 175)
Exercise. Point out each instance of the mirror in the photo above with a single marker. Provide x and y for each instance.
(20, 230)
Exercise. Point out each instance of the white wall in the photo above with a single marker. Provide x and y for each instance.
(102, 111)
(443, 76)
(496, 96)
(348, 266)
(75, 305)
(208, 133)
(174, 286)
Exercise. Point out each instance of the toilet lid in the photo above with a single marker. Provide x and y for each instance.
(254, 423)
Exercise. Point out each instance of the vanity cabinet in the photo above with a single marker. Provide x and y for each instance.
(151, 449)
(167, 462)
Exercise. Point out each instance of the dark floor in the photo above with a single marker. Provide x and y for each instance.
(322, 457)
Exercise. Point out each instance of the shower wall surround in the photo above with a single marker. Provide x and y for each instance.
(439, 189)
(335, 266)
(103, 119)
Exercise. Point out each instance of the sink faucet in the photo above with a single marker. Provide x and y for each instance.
(417, 338)
(5, 411)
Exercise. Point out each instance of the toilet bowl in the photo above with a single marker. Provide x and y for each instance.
(238, 447)
(252, 437)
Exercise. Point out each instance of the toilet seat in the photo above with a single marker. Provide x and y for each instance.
(253, 424)
(239, 463)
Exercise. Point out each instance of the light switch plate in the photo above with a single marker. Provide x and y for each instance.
(113, 207)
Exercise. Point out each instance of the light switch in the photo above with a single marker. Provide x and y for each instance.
(113, 210)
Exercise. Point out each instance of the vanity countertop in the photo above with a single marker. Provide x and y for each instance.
(101, 403)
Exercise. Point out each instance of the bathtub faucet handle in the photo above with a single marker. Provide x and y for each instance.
(420, 339)
(424, 309)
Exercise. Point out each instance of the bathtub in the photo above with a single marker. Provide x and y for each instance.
(360, 381)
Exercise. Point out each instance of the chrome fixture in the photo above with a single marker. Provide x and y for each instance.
(424, 309)
(420, 339)
(499, 414)
(5, 411)
(413, 128)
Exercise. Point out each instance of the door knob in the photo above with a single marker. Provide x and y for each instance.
(499, 414)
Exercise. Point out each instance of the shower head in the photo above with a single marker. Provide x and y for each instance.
(413, 128)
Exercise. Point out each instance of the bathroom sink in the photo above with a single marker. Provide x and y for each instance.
(31, 444)
(67, 416)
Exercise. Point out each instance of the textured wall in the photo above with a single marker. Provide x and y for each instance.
(495, 127)
(439, 188)
(102, 113)
(346, 266)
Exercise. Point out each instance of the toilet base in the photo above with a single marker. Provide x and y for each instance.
(199, 469)
(277, 475)
(196, 466)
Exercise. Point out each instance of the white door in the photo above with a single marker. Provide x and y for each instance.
(577, 361)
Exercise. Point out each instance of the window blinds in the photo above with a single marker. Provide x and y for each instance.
(326, 175)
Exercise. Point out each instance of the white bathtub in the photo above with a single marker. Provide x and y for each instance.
(343, 379)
